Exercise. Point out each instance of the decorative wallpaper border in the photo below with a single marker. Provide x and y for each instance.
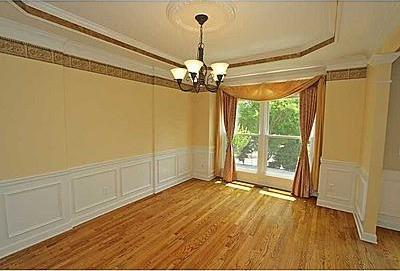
(346, 74)
(26, 50)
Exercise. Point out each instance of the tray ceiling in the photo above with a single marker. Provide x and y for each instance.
(257, 30)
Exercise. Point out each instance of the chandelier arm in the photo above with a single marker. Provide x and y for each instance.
(183, 89)
(211, 88)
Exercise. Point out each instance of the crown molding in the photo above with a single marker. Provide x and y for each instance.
(350, 62)
(275, 76)
(384, 58)
(36, 37)
(53, 15)
(344, 69)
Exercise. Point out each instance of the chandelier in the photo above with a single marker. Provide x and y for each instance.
(198, 70)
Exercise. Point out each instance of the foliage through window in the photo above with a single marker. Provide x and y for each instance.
(267, 137)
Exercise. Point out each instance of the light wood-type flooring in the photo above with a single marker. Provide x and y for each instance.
(208, 225)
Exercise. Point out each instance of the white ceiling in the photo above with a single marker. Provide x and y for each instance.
(259, 29)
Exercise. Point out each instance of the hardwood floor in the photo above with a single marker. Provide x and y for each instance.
(204, 225)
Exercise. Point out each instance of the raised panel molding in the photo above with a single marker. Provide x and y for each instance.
(166, 168)
(337, 185)
(93, 189)
(136, 176)
(389, 214)
(22, 218)
(203, 163)
(172, 167)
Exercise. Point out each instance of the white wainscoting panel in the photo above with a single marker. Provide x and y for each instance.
(136, 176)
(93, 189)
(203, 163)
(172, 167)
(337, 185)
(389, 214)
(361, 194)
(33, 209)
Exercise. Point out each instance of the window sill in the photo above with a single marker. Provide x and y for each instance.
(281, 176)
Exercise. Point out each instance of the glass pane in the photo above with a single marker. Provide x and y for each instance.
(282, 157)
(247, 117)
(284, 117)
(246, 151)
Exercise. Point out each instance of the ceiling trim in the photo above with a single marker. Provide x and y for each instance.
(295, 54)
(285, 56)
(36, 12)
(84, 30)
(384, 58)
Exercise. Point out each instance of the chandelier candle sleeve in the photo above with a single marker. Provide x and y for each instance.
(219, 68)
(179, 73)
(193, 65)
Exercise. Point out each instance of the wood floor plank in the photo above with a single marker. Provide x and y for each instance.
(207, 225)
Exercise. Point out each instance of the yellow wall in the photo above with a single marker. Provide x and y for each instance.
(107, 117)
(392, 145)
(344, 110)
(172, 119)
(204, 119)
(32, 121)
(201, 119)
(53, 118)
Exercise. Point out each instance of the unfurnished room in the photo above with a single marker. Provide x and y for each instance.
(199, 134)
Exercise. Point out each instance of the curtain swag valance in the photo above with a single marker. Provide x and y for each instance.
(270, 91)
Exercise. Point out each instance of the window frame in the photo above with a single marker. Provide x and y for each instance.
(263, 138)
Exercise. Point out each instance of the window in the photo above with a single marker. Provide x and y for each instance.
(247, 133)
(267, 137)
(283, 140)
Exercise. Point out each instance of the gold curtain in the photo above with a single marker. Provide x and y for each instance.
(229, 104)
(318, 134)
(218, 136)
(273, 91)
(308, 106)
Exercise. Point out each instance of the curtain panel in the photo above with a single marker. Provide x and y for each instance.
(268, 92)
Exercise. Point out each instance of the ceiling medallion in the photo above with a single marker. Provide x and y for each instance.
(199, 76)
(181, 13)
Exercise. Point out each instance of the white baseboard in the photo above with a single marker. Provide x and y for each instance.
(33, 209)
(335, 205)
(389, 222)
(365, 236)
